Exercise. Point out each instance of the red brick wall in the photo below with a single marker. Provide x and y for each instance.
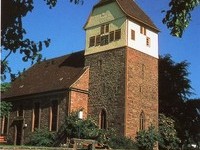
(79, 101)
(83, 82)
(79, 94)
(141, 90)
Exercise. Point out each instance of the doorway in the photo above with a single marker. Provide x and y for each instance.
(18, 132)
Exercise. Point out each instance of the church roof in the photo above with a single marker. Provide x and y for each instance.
(49, 75)
(132, 10)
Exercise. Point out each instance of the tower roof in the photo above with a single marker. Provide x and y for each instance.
(132, 10)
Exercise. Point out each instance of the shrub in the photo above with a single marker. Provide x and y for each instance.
(41, 137)
(87, 129)
(121, 142)
(168, 134)
(146, 139)
(78, 128)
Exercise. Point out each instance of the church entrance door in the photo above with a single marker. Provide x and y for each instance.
(18, 132)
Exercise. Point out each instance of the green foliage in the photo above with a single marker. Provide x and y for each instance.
(13, 34)
(5, 108)
(42, 137)
(79, 128)
(168, 136)
(192, 121)
(146, 139)
(174, 90)
(87, 129)
(121, 142)
(5, 86)
(173, 80)
(177, 18)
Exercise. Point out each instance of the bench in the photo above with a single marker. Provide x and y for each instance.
(82, 143)
(88, 144)
(3, 139)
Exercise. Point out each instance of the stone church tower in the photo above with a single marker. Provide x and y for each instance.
(115, 80)
(122, 54)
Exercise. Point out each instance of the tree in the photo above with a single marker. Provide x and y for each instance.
(4, 86)
(192, 121)
(174, 90)
(168, 135)
(5, 107)
(177, 18)
(174, 86)
(12, 33)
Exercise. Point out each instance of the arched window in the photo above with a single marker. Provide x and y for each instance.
(103, 119)
(142, 121)
(54, 116)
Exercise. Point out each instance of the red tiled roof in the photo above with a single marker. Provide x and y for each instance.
(50, 75)
(132, 10)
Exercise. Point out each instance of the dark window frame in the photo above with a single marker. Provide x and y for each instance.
(104, 40)
(92, 41)
(54, 115)
(107, 28)
(102, 31)
(37, 113)
(20, 112)
(104, 28)
(143, 30)
(4, 125)
(133, 35)
(142, 121)
(98, 40)
(148, 41)
(103, 119)
(117, 34)
(111, 36)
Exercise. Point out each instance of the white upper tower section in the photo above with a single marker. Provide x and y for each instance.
(117, 23)
(142, 39)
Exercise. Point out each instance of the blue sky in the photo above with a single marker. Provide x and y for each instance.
(64, 26)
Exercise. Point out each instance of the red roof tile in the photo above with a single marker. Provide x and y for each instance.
(50, 75)
(132, 10)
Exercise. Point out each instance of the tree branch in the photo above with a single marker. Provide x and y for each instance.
(7, 56)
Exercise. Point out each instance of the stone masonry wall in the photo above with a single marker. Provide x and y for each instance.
(28, 105)
(106, 87)
(124, 82)
(142, 90)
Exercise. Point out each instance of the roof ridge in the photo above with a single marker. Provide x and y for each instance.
(131, 9)
(140, 16)
(62, 56)
(103, 2)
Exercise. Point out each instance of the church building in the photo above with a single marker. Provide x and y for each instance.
(114, 80)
